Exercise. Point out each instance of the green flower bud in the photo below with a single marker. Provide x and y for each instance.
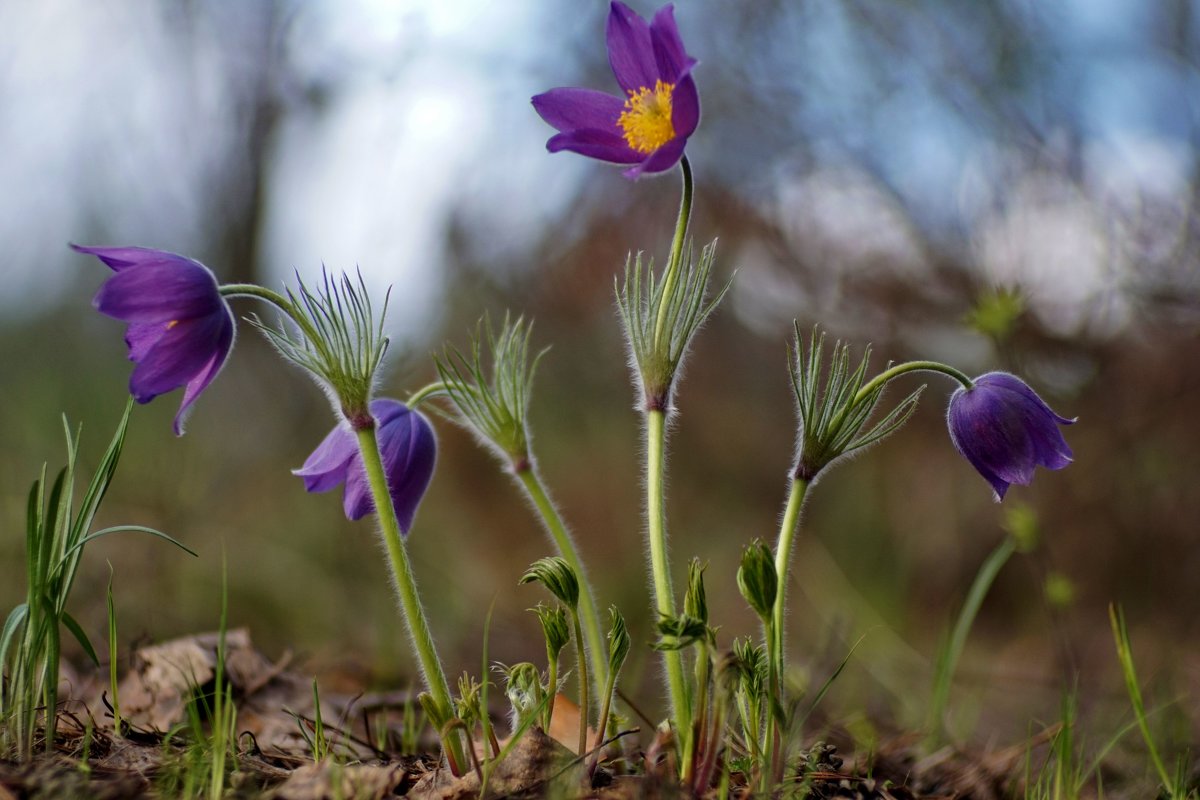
(695, 603)
(757, 579)
(618, 641)
(751, 662)
(557, 576)
(468, 705)
(1059, 590)
(1021, 522)
(555, 627)
(523, 687)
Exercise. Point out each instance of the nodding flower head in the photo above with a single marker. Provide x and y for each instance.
(180, 328)
(1005, 430)
(408, 449)
(649, 125)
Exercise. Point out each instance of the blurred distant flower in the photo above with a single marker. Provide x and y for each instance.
(180, 328)
(1005, 430)
(408, 449)
(650, 126)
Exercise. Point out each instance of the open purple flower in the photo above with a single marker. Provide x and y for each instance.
(406, 445)
(180, 328)
(650, 126)
(1005, 430)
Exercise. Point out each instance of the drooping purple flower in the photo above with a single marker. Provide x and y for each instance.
(1005, 430)
(180, 328)
(649, 126)
(408, 449)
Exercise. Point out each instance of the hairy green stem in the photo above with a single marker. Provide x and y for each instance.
(279, 301)
(681, 225)
(426, 392)
(406, 585)
(536, 492)
(664, 594)
(552, 685)
(912, 366)
(581, 658)
(610, 687)
(774, 733)
(783, 557)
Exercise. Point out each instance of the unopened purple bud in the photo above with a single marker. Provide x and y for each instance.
(407, 446)
(1005, 430)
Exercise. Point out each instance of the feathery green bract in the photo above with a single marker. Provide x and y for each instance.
(556, 575)
(643, 297)
(339, 339)
(56, 531)
(493, 404)
(832, 421)
(679, 632)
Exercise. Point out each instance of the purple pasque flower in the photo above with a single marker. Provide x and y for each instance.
(1005, 430)
(649, 126)
(406, 445)
(180, 328)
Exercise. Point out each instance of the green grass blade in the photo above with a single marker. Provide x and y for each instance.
(948, 662)
(130, 529)
(1125, 656)
(80, 636)
(90, 503)
(11, 625)
(485, 718)
(825, 687)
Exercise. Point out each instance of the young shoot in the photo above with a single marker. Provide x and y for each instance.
(557, 633)
(490, 387)
(57, 529)
(618, 650)
(561, 581)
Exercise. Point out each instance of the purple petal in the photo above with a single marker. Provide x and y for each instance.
(118, 258)
(141, 336)
(604, 145)
(409, 452)
(182, 353)
(326, 467)
(356, 500)
(207, 373)
(162, 291)
(630, 52)
(685, 108)
(660, 160)
(385, 409)
(1011, 383)
(569, 108)
(671, 60)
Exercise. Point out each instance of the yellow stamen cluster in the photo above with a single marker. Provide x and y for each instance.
(646, 120)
